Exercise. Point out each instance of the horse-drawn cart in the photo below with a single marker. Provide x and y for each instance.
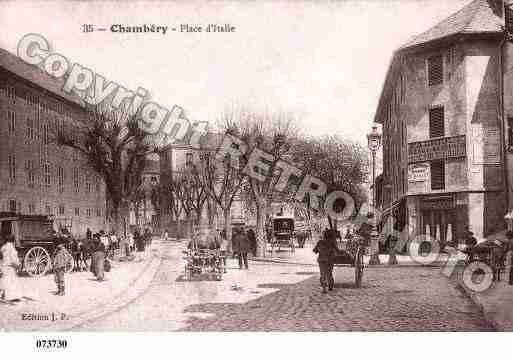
(282, 233)
(35, 240)
(351, 252)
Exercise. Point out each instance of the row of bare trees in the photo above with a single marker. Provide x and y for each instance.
(117, 149)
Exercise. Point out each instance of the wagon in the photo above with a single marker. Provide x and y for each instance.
(351, 252)
(35, 241)
(282, 233)
(203, 262)
(491, 252)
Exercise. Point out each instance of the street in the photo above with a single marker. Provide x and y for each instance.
(287, 297)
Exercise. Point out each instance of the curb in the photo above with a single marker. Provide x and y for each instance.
(474, 298)
(399, 265)
(134, 290)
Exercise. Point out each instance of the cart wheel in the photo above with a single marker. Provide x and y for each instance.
(358, 267)
(36, 262)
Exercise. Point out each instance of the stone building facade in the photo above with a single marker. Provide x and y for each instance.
(36, 175)
(443, 134)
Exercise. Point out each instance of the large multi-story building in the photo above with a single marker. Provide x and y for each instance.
(442, 109)
(36, 175)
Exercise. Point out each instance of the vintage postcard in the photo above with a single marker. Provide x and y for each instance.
(256, 166)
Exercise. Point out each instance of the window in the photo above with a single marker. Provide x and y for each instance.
(188, 159)
(12, 167)
(76, 179)
(60, 178)
(31, 173)
(98, 212)
(436, 122)
(510, 132)
(12, 205)
(98, 185)
(31, 208)
(11, 119)
(11, 92)
(437, 174)
(46, 134)
(77, 211)
(30, 128)
(46, 173)
(88, 212)
(88, 185)
(61, 209)
(48, 209)
(435, 70)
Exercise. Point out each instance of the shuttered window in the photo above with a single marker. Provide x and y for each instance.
(437, 175)
(436, 122)
(435, 70)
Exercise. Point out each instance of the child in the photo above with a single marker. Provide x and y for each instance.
(327, 250)
(59, 267)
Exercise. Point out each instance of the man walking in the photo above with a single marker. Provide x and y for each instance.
(243, 247)
(326, 248)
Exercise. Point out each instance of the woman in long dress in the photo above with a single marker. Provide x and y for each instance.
(9, 285)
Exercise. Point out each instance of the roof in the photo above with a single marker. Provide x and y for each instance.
(35, 75)
(478, 17)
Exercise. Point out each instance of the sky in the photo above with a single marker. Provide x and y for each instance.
(325, 61)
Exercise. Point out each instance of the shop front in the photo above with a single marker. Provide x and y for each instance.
(443, 217)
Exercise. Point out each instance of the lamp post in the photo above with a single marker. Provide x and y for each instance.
(374, 143)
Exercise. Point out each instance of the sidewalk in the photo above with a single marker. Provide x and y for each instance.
(496, 304)
(85, 297)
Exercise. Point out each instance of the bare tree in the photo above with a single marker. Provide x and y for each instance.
(273, 133)
(116, 148)
(221, 183)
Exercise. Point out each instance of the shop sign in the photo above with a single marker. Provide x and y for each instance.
(438, 203)
(418, 172)
(439, 148)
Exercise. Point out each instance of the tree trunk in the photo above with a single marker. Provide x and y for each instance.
(228, 228)
(260, 228)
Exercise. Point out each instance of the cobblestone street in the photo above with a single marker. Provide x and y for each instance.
(285, 297)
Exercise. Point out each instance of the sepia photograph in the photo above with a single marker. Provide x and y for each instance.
(255, 166)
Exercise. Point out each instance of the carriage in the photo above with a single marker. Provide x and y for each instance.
(492, 252)
(282, 233)
(35, 241)
(200, 262)
(351, 252)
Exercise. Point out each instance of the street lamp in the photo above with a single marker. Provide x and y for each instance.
(374, 143)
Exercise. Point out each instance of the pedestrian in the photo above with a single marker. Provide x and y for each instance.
(243, 247)
(326, 249)
(470, 242)
(98, 258)
(509, 255)
(223, 249)
(75, 252)
(139, 243)
(85, 253)
(89, 234)
(9, 285)
(131, 242)
(166, 236)
(59, 268)
(252, 241)
(147, 237)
